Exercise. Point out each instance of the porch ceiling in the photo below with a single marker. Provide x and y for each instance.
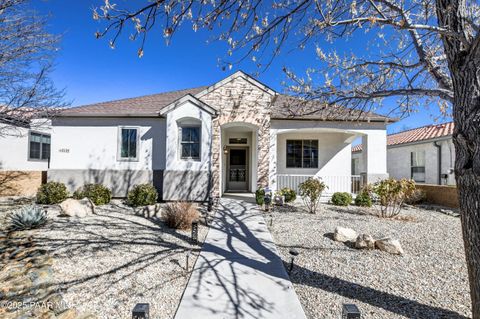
(318, 130)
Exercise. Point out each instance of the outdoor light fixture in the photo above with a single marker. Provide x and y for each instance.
(210, 204)
(141, 311)
(293, 253)
(225, 150)
(187, 261)
(195, 232)
(350, 311)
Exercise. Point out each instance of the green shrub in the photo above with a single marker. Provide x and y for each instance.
(142, 195)
(28, 217)
(363, 199)
(97, 193)
(289, 194)
(260, 196)
(392, 194)
(311, 192)
(342, 199)
(52, 193)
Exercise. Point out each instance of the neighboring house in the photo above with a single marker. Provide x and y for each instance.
(425, 154)
(24, 156)
(234, 136)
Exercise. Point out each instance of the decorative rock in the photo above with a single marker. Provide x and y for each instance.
(77, 207)
(344, 234)
(278, 200)
(365, 241)
(389, 245)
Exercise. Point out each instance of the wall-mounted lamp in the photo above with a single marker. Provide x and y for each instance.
(225, 150)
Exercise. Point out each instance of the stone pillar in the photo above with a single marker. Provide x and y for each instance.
(216, 159)
(272, 168)
(374, 156)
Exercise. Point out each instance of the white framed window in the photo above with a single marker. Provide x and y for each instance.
(38, 146)
(128, 143)
(190, 142)
(302, 153)
(417, 165)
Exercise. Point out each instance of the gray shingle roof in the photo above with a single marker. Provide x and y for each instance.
(148, 105)
(291, 107)
(283, 107)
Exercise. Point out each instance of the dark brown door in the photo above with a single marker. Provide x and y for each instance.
(237, 169)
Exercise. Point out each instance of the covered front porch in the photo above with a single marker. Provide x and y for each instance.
(303, 149)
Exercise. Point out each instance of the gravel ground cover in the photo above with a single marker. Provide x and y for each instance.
(106, 263)
(428, 281)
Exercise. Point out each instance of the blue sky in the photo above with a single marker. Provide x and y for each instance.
(92, 72)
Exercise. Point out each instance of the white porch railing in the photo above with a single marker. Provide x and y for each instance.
(349, 183)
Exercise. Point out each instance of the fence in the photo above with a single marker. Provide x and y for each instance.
(349, 183)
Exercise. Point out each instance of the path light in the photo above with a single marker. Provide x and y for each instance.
(293, 252)
(210, 204)
(195, 232)
(141, 311)
(187, 261)
(350, 311)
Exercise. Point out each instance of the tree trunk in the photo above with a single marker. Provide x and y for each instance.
(466, 138)
(464, 63)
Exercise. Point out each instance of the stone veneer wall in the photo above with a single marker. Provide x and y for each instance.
(242, 102)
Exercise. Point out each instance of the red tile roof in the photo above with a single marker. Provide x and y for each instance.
(417, 134)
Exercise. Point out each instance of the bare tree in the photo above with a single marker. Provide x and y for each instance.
(417, 51)
(26, 55)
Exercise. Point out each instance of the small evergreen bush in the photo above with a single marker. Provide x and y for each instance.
(52, 193)
(142, 195)
(97, 193)
(311, 192)
(341, 199)
(363, 200)
(260, 196)
(289, 194)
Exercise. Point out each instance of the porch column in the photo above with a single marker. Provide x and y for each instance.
(374, 156)
(272, 156)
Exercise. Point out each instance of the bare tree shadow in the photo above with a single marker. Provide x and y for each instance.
(234, 220)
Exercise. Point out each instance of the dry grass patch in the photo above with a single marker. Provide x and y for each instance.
(180, 215)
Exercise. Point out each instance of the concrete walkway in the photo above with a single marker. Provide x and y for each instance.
(239, 273)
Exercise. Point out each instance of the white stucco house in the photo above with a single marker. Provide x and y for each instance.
(425, 154)
(233, 136)
(24, 155)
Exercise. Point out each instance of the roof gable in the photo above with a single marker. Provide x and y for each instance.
(232, 77)
(185, 99)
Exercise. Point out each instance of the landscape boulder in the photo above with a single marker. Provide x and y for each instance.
(389, 245)
(344, 234)
(77, 207)
(365, 241)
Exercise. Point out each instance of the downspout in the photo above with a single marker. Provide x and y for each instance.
(439, 153)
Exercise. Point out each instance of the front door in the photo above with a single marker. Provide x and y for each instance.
(237, 169)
